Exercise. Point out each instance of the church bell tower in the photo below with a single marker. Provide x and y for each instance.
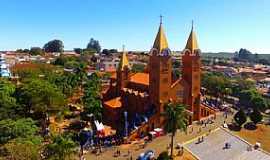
(122, 72)
(160, 68)
(191, 74)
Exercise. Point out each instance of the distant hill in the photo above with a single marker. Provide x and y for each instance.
(230, 55)
(218, 55)
(264, 56)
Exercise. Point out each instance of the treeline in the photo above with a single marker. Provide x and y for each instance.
(43, 91)
(219, 86)
(245, 55)
(57, 46)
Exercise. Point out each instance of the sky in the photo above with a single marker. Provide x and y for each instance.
(220, 25)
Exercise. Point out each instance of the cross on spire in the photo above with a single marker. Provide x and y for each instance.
(161, 17)
(192, 23)
(123, 47)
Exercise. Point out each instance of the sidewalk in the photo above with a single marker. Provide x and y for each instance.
(160, 144)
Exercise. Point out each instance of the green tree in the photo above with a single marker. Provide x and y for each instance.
(94, 44)
(240, 85)
(78, 50)
(41, 98)
(72, 64)
(175, 118)
(163, 156)
(8, 105)
(109, 51)
(91, 98)
(246, 96)
(67, 82)
(138, 67)
(256, 116)
(113, 51)
(21, 128)
(22, 50)
(23, 149)
(253, 99)
(216, 84)
(258, 102)
(36, 51)
(240, 118)
(106, 52)
(62, 60)
(54, 46)
(61, 148)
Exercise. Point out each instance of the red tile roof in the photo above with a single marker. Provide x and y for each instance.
(114, 103)
(140, 78)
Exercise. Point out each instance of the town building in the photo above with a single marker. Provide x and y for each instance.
(143, 96)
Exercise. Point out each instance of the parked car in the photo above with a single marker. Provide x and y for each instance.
(148, 155)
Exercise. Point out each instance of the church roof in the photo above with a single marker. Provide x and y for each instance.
(161, 40)
(140, 78)
(123, 61)
(192, 43)
(114, 103)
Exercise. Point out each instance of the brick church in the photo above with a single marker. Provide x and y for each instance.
(143, 95)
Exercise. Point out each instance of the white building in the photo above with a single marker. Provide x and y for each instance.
(4, 70)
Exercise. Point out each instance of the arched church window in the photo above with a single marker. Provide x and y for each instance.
(154, 52)
(187, 52)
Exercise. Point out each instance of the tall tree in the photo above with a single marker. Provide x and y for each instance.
(175, 118)
(94, 44)
(258, 102)
(54, 46)
(240, 117)
(256, 116)
(8, 105)
(91, 98)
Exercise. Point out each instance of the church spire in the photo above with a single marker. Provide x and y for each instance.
(161, 40)
(192, 41)
(124, 60)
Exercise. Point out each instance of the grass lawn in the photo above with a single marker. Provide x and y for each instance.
(261, 135)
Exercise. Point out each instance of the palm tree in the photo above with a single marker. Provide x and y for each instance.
(175, 119)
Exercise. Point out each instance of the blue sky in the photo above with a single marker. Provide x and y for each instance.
(221, 25)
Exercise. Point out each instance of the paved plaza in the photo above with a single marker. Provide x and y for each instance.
(160, 144)
(213, 148)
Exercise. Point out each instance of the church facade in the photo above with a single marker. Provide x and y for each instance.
(143, 96)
